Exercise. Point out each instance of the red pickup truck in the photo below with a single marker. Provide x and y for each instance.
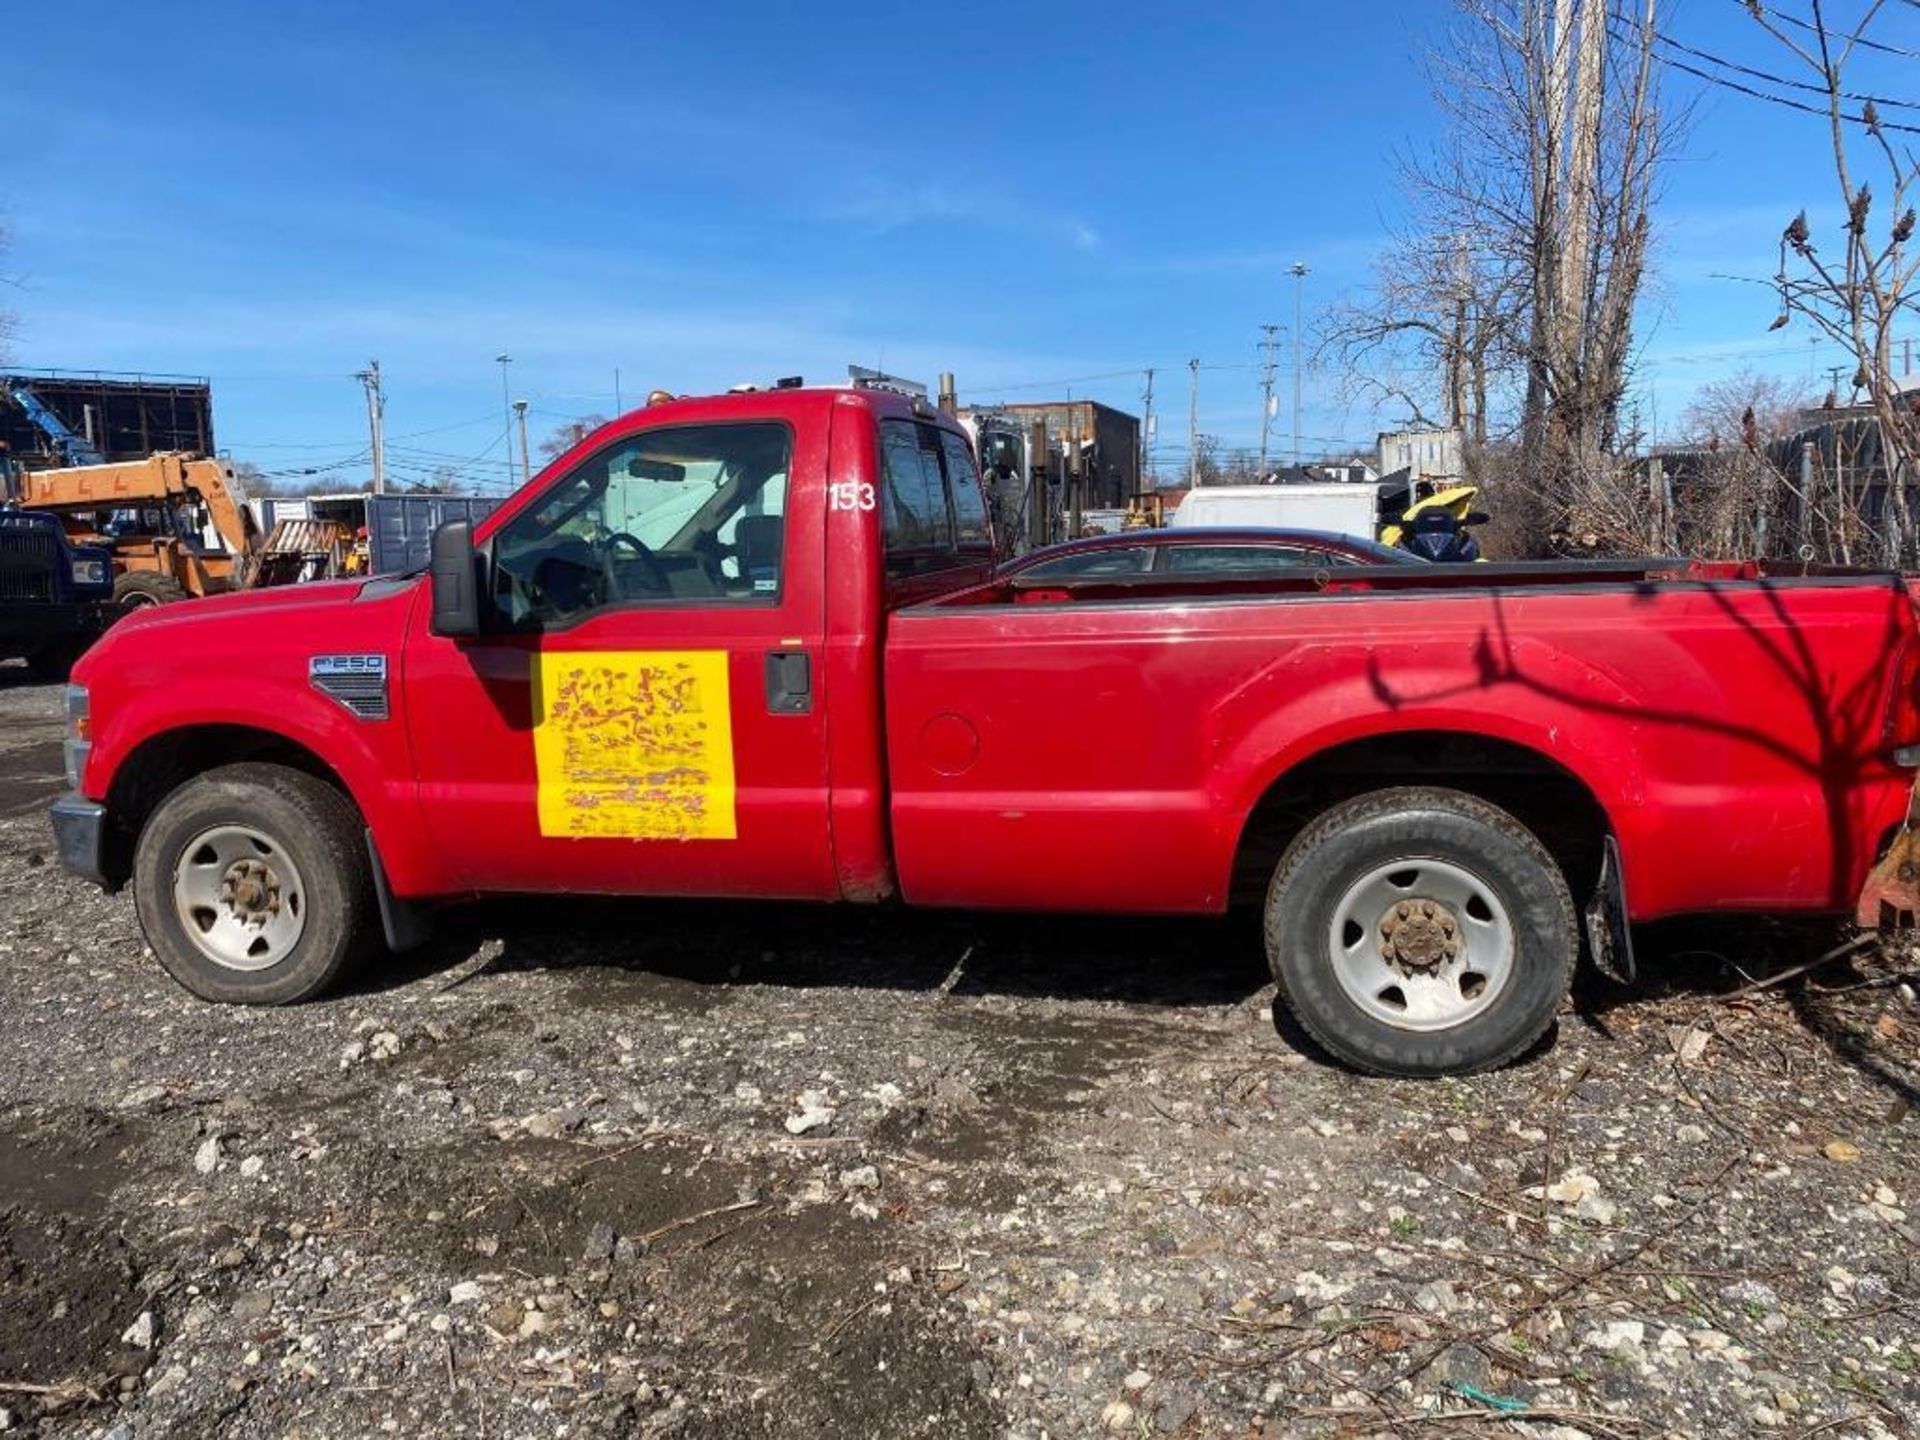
(754, 645)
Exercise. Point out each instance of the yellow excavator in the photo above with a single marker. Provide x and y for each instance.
(154, 516)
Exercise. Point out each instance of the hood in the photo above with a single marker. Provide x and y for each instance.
(315, 595)
(340, 614)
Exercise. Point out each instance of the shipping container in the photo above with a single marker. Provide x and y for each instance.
(400, 527)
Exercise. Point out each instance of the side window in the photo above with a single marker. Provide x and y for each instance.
(919, 527)
(970, 531)
(689, 514)
(1113, 560)
(1233, 559)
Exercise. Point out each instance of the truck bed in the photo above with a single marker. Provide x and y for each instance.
(1729, 720)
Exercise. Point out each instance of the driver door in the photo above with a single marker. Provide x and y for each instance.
(643, 716)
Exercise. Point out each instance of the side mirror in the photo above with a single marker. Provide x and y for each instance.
(453, 576)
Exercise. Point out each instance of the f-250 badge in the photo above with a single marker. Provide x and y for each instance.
(358, 682)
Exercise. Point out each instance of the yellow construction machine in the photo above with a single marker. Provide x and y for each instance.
(156, 516)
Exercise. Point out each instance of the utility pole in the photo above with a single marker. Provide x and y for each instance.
(1193, 423)
(369, 379)
(1299, 273)
(506, 412)
(617, 406)
(526, 464)
(1267, 332)
(1834, 372)
(1141, 481)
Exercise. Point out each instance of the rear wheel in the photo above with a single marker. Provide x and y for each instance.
(1421, 932)
(136, 588)
(253, 885)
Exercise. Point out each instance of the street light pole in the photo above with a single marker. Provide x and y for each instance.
(1299, 273)
(506, 411)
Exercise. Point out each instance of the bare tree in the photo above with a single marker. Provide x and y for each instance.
(1746, 405)
(1207, 469)
(1727, 494)
(566, 436)
(1855, 292)
(1529, 245)
(1435, 331)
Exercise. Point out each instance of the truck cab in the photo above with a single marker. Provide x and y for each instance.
(669, 637)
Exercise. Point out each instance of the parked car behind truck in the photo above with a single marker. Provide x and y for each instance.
(751, 646)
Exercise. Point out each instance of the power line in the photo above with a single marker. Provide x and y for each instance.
(1864, 41)
(1727, 83)
(1788, 81)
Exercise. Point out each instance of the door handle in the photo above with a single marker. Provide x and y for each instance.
(789, 682)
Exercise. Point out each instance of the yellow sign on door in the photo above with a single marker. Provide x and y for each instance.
(633, 744)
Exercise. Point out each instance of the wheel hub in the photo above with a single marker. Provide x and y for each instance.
(239, 897)
(251, 892)
(1421, 943)
(1419, 936)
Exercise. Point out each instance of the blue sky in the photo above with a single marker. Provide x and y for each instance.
(1037, 198)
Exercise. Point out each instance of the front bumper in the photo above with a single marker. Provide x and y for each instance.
(79, 835)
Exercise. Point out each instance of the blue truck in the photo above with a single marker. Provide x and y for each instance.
(56, 598)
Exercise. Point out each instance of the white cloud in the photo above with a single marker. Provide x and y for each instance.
(884, 206)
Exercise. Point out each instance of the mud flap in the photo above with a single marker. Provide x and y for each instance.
(1608, 938)
(407, 923)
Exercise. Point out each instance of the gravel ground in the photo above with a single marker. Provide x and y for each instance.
(730, 1170)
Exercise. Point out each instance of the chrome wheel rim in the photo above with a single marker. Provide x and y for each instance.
(239, 897)
(1421, 944)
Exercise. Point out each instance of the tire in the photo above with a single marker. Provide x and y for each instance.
(135, 588)
(1467, 978)
(303, 910)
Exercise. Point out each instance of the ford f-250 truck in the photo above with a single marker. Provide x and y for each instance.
(753, 645)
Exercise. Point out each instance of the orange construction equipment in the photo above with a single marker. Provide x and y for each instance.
(153, 514)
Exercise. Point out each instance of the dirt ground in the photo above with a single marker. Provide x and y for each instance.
(711, 1170)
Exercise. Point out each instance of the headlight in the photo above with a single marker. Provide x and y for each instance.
(78, 743)
(89, 572)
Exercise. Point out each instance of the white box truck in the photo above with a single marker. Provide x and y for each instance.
(1342, 509)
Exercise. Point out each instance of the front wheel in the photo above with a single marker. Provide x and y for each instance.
(253, 885)
(1421, 932)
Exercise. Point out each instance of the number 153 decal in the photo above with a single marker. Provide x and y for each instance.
(851, 495)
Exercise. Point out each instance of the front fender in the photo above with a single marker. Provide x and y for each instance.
(202, 675)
